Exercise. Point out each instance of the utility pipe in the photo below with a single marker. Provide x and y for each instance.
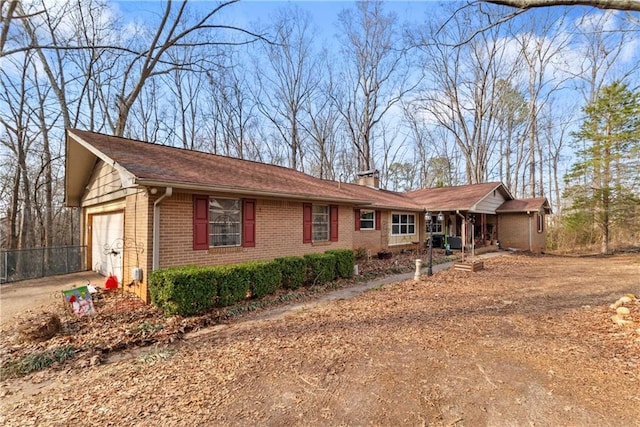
(156, 228)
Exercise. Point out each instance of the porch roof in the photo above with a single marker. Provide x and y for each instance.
(457, 198)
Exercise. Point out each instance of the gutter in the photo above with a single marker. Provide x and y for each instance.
(156, 228)
(245, 192)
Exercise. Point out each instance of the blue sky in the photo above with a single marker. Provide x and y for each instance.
(324, 13)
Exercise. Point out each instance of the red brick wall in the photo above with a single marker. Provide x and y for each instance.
(278, 233)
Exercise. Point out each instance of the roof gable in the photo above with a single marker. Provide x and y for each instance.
(143, 163)
(461, 197)
(533, 204)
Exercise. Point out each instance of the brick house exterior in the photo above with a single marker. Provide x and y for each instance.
(523, 225)
(145, 206)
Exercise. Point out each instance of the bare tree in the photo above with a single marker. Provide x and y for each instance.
(231, 115)
(436, 158)
(150, 117)
(554, 132)
(8, 12)
(603, 41)
(541, 56)
(462, 94)
(154, 59)
(186, 86)
(287, 78)
(511, 116)
(322, 126)
(392, 150)
(376, 73)
(18, 141)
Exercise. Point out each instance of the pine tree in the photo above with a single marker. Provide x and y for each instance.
(604, 185)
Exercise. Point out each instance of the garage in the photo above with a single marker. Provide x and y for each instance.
(107, 231)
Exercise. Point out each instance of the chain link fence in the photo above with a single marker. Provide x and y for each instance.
(21, 264)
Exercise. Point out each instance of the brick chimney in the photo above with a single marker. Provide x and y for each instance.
(369, 178)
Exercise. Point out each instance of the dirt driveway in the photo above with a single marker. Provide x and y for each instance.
(527, 341)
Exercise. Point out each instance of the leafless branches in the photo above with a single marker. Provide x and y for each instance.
(631, 5)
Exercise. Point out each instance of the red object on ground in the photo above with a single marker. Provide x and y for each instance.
(111, 283)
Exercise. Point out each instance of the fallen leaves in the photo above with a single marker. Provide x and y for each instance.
(491, 343)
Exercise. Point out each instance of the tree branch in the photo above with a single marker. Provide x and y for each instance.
(630, 5)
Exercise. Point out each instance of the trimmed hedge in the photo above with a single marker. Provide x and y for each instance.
(190, 290)
(264, 277)
(321, 268)
(234, 283)
(184, 290)
(293, 270)
(345, 260)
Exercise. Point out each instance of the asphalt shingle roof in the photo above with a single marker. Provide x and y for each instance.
(524, 205)
(461, 197)
(154, 164)
(382, 198)
(175, 166)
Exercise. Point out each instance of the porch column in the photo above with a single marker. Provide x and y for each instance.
(483, 228)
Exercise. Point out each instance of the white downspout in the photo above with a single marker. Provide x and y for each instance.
(156, 228)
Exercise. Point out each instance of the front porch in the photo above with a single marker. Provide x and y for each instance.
(462, 230)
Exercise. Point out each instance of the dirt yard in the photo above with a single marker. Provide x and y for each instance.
(527, 341)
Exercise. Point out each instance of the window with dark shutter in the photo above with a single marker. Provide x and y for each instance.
(356, 217)
(367, 219)
(333, 218)
(307, 223)
(378, 220)
(249, 223)
(200, 222)
(225, 222)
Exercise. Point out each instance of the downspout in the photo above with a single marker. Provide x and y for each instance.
(529, 216)
(156, 228)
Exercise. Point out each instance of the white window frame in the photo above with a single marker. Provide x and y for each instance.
(233, 227)
(320, 223)
(400, 224)
(372, 219)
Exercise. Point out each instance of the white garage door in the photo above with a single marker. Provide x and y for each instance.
(107, 244)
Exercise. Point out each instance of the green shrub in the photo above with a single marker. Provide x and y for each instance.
(233, 285)
(36, 361)
(184, 290)
(264, 276)
(321, 268)
(344, 262)
(188, 291)
(293, 271)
